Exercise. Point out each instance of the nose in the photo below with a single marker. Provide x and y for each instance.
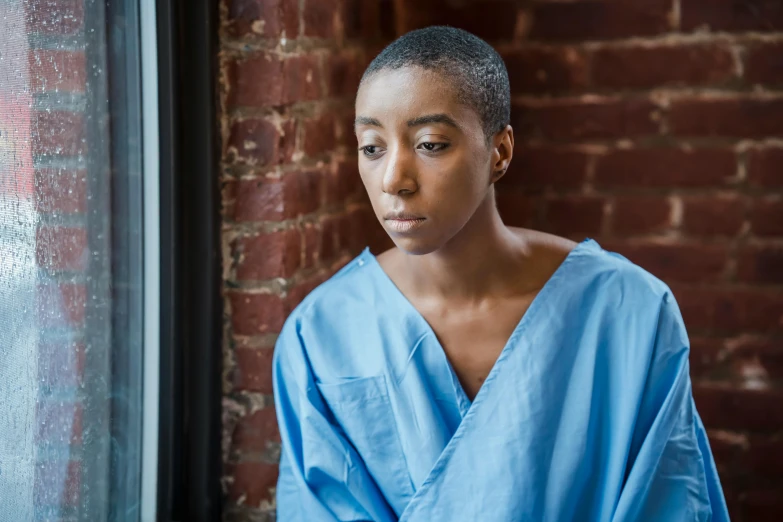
(399, 178)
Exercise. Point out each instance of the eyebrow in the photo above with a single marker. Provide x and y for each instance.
(415, 122)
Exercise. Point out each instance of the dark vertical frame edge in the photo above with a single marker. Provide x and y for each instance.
(191, 306)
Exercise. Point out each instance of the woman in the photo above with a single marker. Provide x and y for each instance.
(478, 372)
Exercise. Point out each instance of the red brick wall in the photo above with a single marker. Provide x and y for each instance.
(293, 206)
(656, 127)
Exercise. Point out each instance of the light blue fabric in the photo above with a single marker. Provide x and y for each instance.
(586, 416)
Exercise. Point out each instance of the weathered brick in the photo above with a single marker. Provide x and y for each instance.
(731, 117)
(254, 431)
(723, 407)
(54, 70)
(301, 290)
(574, 119)
(297, 193)
(61, 191)
(265, 256)
(61, 248)
(59, 17)
(264, 18)
(302, 79)
(345, 72)
(574, 215)
(761, 505)
(537, 70)
(321, 18)
(319, 135)
(253, 369)
(665, 168)
(731, 310)
(369, 19)
(676, 262)
(343, 182)
(58, 133)
(254, 313)
(491, 20)
(645, 67)
(260, 142)
(764, 353)
(538, 168)
(766, 218)
(764, 63)
(761, 264)
(312, 244)
(765, 167)
(516, 210)
(713, 215)
(638, 215)
(256, 81)
(253, 482)
(599, 19)
(731, 15)
(705, 356)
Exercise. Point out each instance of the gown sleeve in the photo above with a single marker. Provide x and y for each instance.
(322, 478)
(671, 473)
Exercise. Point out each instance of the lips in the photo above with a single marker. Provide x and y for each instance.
(403, 222)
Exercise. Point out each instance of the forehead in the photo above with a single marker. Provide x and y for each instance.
(396, 95)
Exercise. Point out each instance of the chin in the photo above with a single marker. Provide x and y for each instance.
(414, 246)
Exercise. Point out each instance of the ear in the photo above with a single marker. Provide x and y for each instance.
(502, 152)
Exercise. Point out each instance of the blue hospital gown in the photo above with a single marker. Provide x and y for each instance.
(587, 415)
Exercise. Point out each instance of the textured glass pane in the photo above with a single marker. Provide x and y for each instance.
(70, 270)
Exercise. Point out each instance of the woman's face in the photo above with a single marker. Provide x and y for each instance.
(423, 157)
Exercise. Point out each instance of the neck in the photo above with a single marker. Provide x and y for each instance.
(475, 264)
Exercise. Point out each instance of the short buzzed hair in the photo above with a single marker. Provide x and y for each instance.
(477, 71)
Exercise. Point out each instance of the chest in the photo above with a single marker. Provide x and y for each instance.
(473, 338)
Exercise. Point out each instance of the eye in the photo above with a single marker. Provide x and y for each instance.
(370, 150)
(433, 147)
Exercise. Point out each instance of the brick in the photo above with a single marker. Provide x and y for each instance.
(647, 67)
(253, 482)
(535, 70)
(574, 215)
(301, 290)
(259, 142)
(572, 119)
(516, 210)
(58, 17)
(765, 353)
(58, 133)
(539, 168)
(676, 262)
(61, 306)
(369, 20)
(61, 248)
(58, 71)
(320, 18)
(319, 135)
(61, 191)
(312, 245)
(345, 130)
(766, 218)
(713, 216)
(345, 72)
(267, 256)
(297, 193)
(739, 409)
(705, 356)
(58, 484)
(59, 423)
(263, 18)
(343, 182)
(733, 117)
(253, 313)
(61, 364)
(254, 431)
(665, 168)
(491, 20)
(302, 79)
(638, 215)
(256, 81)
(731, 15)
(764, 63)
(761, 264)
(599, 19)
(253, 369)
(765, 167)
(731, 310)
(764, 505)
